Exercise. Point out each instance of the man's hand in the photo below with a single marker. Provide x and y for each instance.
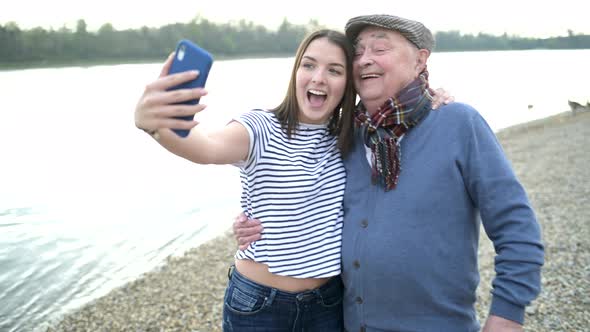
(499, 324)
(246, 231)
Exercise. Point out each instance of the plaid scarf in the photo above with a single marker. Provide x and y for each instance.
(382, 131)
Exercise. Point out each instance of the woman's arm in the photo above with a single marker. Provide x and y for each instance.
(227, 145)
(155, 114)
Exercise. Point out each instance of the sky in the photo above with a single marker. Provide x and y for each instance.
(526, 18)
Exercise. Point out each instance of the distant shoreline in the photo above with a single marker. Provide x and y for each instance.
(114, 62)
(106, 62)
(550, 157)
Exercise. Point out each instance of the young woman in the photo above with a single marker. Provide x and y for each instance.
(293, 179)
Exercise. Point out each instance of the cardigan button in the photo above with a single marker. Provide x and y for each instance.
(356, 264)
(359, 300)
(364, 223)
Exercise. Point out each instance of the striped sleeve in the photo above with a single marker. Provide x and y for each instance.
(257, 123)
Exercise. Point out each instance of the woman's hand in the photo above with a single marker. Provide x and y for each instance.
(157, 107)
(441, 97)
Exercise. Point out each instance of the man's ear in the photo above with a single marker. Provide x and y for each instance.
(421, 59)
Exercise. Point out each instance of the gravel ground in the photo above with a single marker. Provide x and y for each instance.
(552, 159)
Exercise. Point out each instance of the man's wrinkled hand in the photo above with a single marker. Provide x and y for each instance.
(499, 324)
(246, 231)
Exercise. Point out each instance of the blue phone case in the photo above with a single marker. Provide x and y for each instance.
(189, 56)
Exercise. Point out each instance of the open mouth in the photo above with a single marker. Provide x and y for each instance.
(316, 97)
(369, 76)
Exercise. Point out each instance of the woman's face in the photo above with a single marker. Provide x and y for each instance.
(320, 81)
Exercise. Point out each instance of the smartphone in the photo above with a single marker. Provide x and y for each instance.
(189, 56)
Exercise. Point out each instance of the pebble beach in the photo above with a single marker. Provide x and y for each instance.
(551, 157)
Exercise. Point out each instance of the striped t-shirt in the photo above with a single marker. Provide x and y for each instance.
(295, 188)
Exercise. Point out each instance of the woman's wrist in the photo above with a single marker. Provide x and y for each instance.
(153, 133)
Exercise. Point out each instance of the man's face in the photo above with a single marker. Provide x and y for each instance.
(384, 63)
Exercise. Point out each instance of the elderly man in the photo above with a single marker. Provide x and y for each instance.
(419, 184)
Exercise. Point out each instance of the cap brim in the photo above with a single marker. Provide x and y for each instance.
(353, 29)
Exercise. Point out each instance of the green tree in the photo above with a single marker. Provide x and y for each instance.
(242, 38)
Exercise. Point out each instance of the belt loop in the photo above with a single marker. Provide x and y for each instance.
(230, 271)
(271, 296)
(318, 294)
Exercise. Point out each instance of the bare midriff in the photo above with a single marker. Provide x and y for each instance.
(259, 273)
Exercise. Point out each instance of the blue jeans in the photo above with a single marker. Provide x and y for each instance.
(249, 306)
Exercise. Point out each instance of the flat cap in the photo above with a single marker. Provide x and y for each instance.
(414, 31)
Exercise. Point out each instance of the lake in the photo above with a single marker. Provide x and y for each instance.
(88, 202)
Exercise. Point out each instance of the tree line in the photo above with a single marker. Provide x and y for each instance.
(455, 41)
(38, 47)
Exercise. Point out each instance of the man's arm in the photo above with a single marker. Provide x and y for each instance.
(509, 222)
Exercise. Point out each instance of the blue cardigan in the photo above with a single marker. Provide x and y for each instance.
(410, 254)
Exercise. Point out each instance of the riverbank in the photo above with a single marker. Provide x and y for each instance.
(551, 157)
(62, 63)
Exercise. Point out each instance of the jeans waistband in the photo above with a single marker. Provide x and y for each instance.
(305, 296)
